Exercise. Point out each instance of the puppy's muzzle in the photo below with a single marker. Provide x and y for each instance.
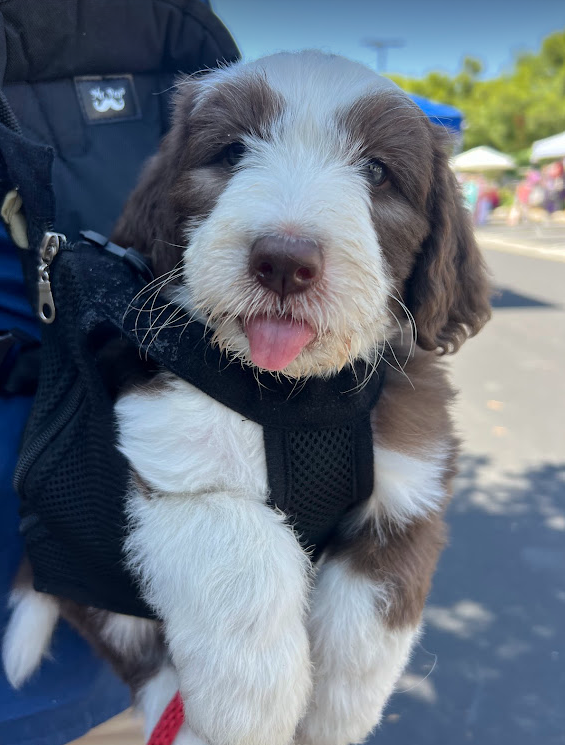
(285, 264)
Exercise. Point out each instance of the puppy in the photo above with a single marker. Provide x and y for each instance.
(306, 210)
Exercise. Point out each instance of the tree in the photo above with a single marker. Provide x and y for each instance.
(508, 112)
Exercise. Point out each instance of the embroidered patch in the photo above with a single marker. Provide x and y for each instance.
(107, 99)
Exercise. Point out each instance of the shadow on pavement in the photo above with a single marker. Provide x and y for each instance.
(493, 651)
(504, 298)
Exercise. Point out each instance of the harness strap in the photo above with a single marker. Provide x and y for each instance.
(168, 726)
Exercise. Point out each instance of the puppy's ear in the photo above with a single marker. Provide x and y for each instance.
(149, 222)
(448, 291)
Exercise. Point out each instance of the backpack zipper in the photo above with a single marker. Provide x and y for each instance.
(40, 443)
(49, 248)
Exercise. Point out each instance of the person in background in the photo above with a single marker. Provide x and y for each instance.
(470, 190)
(554, 187)
(484, 204)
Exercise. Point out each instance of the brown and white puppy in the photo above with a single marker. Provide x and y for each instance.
(306, 209)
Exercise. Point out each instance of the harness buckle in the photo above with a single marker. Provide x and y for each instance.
(49, 248)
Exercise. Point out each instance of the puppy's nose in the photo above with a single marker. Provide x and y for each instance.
(286, 265)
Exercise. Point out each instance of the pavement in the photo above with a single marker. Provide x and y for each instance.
(125, 729)
(543, 240)
(490, 667)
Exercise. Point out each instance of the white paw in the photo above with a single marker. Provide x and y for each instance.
(257, 698)
(231, 585)
(357, 658)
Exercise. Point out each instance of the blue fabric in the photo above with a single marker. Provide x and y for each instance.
(73, 691)
(440, 113)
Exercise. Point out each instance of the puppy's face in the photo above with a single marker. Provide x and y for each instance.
(310, 198)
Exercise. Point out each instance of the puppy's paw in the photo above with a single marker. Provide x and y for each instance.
(335, 718)
(259, 699)
(232, 589)
(357, 657)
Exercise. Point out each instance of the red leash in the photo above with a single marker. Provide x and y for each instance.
(168, 726)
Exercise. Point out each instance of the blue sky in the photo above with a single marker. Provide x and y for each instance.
(436, 34)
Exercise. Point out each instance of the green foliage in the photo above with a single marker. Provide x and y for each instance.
(511, 111)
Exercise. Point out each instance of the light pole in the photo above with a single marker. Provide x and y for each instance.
(382, 46)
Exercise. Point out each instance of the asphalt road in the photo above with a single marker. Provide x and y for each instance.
(546, 240)
(490, 668)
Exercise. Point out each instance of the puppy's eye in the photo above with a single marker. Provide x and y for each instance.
(377, 172)
(232, 154)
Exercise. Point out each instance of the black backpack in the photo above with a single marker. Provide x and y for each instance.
(78, 116)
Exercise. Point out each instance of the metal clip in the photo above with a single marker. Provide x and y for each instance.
(49, 248)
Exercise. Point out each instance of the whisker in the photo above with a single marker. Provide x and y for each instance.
(151, 322)
(411, 321)
(179, 311)
(399, 326)
(155, 289)
(161, 280)
(399, 367)
(370, 369)
(427, 676)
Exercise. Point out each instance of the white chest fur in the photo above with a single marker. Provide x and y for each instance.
(182, 441)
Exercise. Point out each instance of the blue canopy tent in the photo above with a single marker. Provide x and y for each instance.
(440, 113)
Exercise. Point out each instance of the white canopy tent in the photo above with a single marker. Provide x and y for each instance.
(550, 147)
(482, 158)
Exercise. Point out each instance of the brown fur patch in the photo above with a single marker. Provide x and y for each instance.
(402, 559)
(448, 291)
(390, 128)
(233, 109)
(412, 415)
(135, 666)
(423, 228)
(185, 178)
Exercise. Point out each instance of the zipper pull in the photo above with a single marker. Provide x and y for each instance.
(49, 248)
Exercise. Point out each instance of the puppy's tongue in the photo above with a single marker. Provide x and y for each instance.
(275, 342)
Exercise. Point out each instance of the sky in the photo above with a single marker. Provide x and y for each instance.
(436, 34)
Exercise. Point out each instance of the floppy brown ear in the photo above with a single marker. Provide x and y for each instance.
(149, 222)
(448, 291)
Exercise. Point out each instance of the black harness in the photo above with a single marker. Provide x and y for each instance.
(71, 478)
